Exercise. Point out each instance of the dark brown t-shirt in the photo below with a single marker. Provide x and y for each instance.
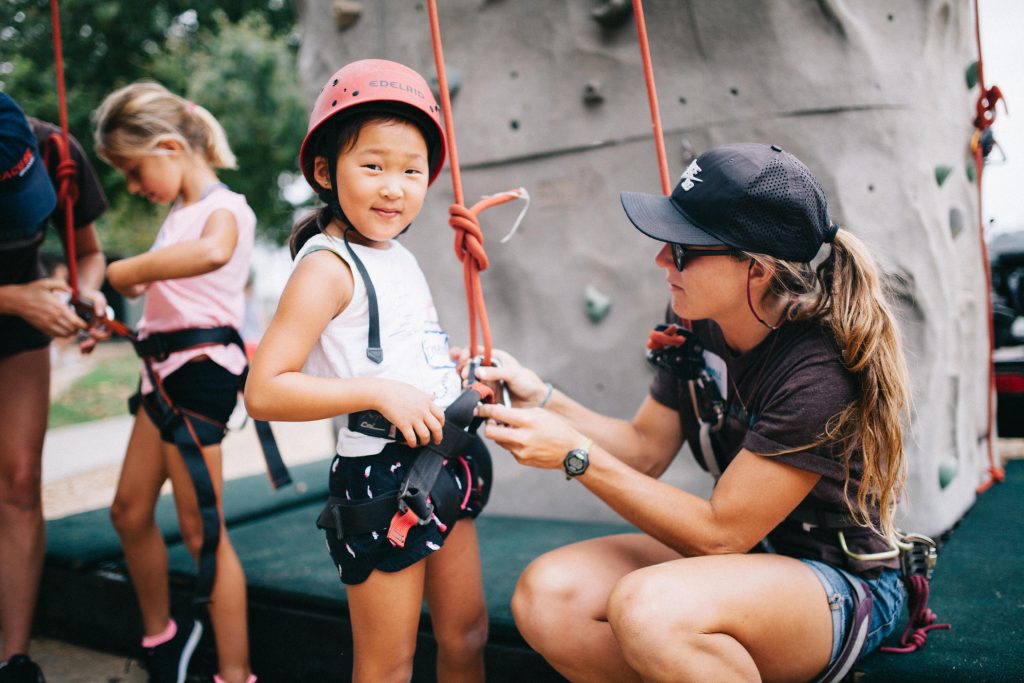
(779, 396)
(19, 256)
(19, 245)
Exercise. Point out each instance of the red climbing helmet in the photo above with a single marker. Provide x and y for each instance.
(391, 86)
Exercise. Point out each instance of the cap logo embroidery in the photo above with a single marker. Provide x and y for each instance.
(689, 176)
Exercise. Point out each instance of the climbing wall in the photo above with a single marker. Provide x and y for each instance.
(549, 94)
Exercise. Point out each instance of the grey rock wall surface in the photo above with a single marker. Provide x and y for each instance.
(869, 94)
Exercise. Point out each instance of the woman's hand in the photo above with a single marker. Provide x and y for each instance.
(97, 332)
(537, 438)
(43, 304)
(413, 413)
(524, 386)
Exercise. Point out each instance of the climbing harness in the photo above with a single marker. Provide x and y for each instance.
(677, 350)
(424, 495)
(982, 143)
(191, 431)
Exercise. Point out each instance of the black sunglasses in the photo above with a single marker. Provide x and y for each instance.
(680, 254)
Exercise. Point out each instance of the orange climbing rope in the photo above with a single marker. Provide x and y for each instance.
(469, 238)
(67, 186)
(652, 96)
(985, 115)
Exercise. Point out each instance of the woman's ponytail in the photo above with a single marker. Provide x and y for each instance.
(865, 331)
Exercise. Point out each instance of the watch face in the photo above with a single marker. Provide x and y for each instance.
(576, 462)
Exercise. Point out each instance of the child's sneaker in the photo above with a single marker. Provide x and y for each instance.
(20, 669)
(168, 661)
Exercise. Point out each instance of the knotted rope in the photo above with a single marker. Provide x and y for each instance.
(469, 238)
(921, 621)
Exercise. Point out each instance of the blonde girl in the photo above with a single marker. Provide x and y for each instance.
(168, 150)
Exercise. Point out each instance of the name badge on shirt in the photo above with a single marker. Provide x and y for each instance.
(435, 349)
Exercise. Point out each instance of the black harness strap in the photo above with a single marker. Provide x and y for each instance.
(192, 431)
(423, 494)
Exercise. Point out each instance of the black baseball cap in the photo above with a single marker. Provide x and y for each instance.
(749, 196)
(27, 197)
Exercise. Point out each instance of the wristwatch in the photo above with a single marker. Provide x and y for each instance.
(577, 460)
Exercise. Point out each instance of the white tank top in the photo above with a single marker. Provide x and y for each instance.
(415, 347)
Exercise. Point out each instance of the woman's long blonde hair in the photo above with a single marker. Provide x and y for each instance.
(846, 291)
(133, 120)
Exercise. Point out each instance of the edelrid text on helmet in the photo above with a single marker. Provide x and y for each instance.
(358, 86)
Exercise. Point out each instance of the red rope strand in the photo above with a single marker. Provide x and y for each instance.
(985, 115)
(652, 96)
(469, 238)
(67, 187)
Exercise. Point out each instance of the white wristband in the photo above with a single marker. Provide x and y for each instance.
(547, 395)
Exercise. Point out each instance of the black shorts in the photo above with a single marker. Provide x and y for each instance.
(203, 388)
(356, 555)
(16, 336)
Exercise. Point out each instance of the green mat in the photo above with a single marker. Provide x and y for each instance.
(285, 558)
(977, 589)
(88, 538)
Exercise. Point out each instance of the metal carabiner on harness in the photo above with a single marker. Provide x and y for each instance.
(475, 363)
(918, 555)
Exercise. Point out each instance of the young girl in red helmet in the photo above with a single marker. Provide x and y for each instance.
(356, 333)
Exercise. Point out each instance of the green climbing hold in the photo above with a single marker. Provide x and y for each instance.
(598, 303)
(947, 471)
(971, 172)
(971, 75)
(942, 172)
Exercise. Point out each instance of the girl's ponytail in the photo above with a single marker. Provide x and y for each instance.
(215, 141)
(313, 223)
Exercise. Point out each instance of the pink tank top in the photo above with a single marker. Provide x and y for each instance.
(214, 299)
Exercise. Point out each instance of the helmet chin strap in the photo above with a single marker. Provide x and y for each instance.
(750, 304)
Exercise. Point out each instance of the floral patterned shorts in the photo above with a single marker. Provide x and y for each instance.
(356, 555)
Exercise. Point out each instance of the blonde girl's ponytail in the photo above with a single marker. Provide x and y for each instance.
(135, 119)
(845, 290)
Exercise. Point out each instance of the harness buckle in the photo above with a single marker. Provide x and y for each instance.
(416, 502)
(400, 525)
(475, 363)
(918, 555)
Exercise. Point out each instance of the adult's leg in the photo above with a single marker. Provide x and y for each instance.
(385, 612)
(227, 608)
(142, 475)
(458, 613)
(560, 603)
(723, 618)
(24, 405)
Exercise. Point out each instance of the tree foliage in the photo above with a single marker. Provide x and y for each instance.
(235, 57)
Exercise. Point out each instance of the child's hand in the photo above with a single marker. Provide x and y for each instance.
(413, 413)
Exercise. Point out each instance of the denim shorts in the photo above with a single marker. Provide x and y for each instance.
(889, 597)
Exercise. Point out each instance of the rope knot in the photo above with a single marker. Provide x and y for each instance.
(469, 238)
